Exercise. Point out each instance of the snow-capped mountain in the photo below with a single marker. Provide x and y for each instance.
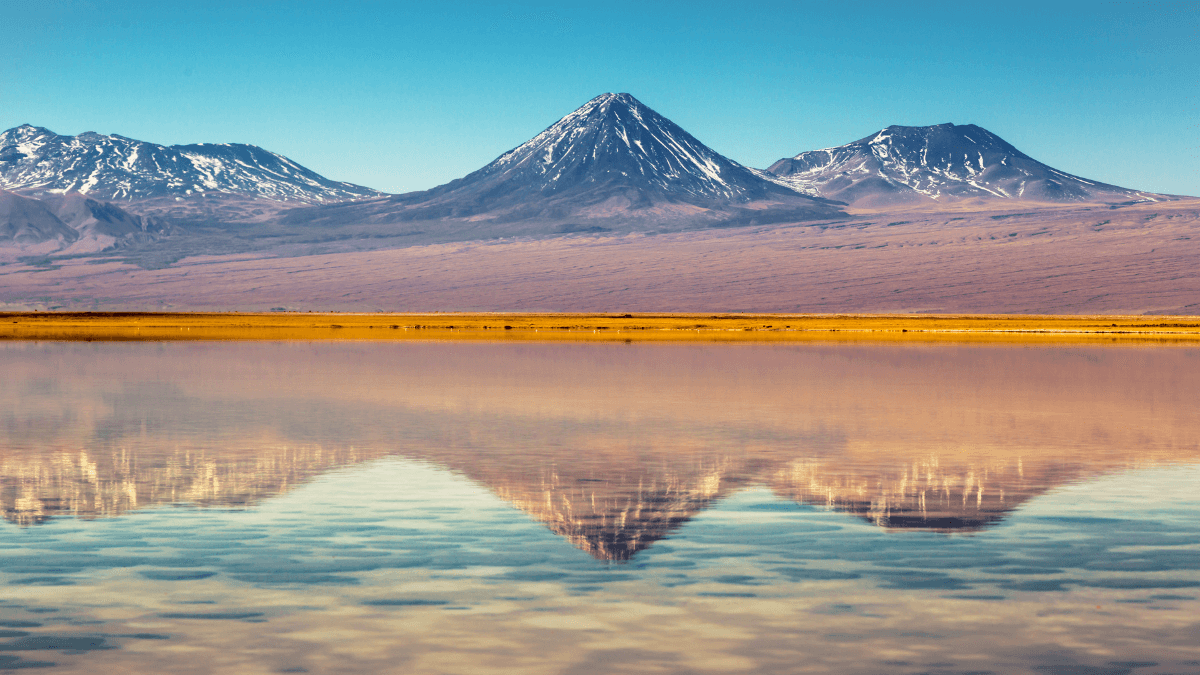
(115, 167)
(614, 139)
(611, 164)
(942, 163)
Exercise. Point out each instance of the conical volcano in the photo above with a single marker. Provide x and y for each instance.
(613, 164)
(615, 142)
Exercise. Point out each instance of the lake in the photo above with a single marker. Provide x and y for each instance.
(491, 507)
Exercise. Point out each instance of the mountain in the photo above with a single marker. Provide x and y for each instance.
(103, 226)
(29, 221)
(73, 222)
(945, 162)
(88, 216)
(33, 159)
(613, 164)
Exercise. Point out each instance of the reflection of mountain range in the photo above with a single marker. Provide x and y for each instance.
(612, 510)
(611, 448)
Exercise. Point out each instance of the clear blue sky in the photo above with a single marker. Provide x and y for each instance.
(406, 95)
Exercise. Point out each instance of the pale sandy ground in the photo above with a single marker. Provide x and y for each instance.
(1061, 260)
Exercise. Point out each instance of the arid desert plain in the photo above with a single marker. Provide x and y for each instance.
(1082, 259)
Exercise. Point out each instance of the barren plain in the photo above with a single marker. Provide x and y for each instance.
(1082, 260)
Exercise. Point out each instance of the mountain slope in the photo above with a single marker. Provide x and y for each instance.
(115, 167)
(71, 224)
(102, 225)
(616, 140)
(29, 221)
(945, 162)
(612, 164)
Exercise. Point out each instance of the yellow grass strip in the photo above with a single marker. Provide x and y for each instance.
(597, 327)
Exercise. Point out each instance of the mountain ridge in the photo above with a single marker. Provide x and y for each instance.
(114, 167)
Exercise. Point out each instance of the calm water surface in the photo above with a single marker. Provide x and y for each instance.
(515, 508)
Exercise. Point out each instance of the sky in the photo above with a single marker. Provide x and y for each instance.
(403, 96)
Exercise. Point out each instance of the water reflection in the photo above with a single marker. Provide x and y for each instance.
(495, 508)
(612, 447)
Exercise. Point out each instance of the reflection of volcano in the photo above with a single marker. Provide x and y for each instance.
(614, 514)
(612, 448)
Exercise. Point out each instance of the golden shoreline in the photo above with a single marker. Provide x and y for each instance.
(615, 327)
